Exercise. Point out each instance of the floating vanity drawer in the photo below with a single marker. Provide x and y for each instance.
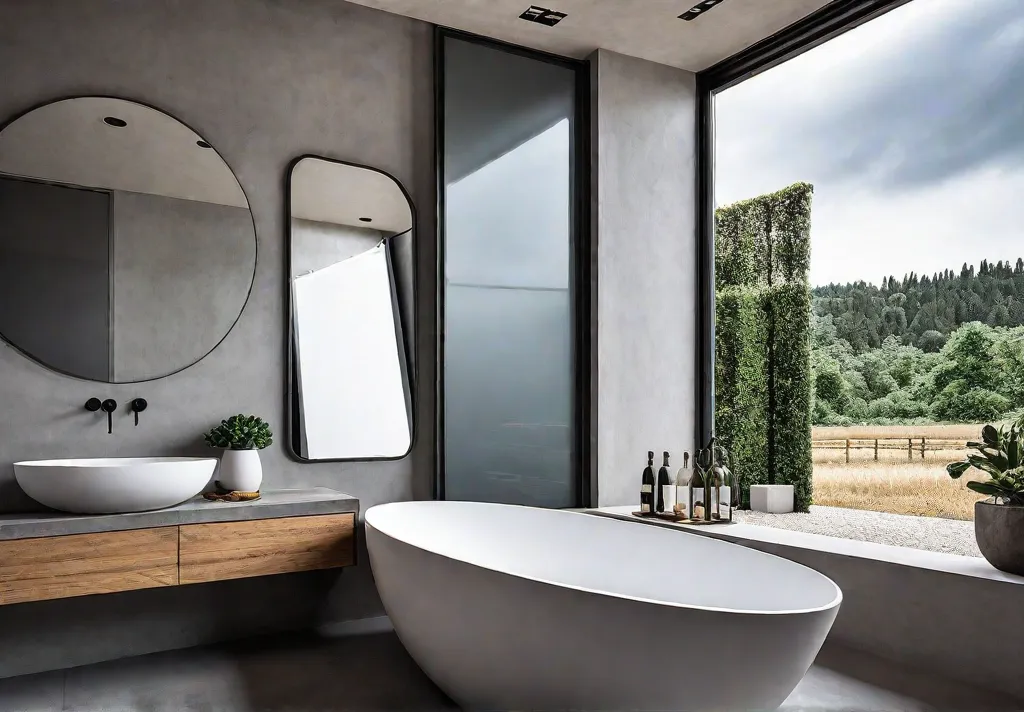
(228, 550)
(82, 564)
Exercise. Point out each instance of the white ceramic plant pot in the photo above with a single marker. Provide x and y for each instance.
(240, 471)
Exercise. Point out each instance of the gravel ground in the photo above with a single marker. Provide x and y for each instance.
(948, 536)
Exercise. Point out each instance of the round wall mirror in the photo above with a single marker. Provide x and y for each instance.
(127, 249)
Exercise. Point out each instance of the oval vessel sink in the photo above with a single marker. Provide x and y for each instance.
(114, 485)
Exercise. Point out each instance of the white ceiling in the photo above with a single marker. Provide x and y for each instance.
(331, 192)
(649, 29)
(68, 142)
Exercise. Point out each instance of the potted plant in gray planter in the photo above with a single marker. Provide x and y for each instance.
(998, 521)
(241, 437)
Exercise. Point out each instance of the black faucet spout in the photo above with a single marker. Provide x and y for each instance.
(109, 406)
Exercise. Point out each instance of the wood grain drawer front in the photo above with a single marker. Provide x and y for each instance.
(228, 550)
(82, 564)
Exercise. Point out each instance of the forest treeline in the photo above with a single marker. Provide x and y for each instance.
(942, 348)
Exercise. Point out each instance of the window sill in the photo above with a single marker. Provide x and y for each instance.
(934, 561)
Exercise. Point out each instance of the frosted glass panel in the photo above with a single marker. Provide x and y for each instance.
(509, 395)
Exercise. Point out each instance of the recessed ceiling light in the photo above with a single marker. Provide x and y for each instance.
(203, 144)
(699, 9)
(543, 16)
(114, 121)
(365, 219)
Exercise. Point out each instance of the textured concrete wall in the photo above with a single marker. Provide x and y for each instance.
(644, 221)
(182, 273)
(316, 245)
(264, 81)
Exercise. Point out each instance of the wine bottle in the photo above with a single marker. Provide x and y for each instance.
(647, 486)
(664, 482)
(696, 494)
(682, 487)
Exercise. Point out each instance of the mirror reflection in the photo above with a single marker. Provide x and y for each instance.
(127, 249)
(351, 230)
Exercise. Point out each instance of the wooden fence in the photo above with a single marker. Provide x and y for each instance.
(914, 446)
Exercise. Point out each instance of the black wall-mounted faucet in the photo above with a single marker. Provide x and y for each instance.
(139, 405)
(108, 406)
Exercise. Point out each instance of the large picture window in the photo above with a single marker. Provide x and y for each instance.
(894, 152)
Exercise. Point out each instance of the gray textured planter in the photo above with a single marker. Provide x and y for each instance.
(999, 530)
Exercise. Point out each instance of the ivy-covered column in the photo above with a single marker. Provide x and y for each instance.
(762, 370)
(741, 384)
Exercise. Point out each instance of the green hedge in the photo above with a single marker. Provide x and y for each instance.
(791, 233)
(762, 351)
(789, 306)
(741, 384)
(765, 240)
(735, 263)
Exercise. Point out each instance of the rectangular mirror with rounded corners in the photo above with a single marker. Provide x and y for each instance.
(350, 273)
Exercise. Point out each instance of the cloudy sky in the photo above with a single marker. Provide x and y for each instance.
(911, 129)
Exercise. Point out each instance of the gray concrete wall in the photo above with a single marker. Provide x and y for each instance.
(316, 245)
(182, 273)
(263, 81)
(644, 222)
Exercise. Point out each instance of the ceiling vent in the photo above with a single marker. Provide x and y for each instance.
(543, 16)
(699, 9)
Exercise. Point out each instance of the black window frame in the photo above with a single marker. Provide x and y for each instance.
(832, 20)
(582, 258)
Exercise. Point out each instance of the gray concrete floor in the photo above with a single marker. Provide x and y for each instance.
(373, 672)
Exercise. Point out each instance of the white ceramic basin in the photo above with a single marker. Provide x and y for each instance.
(114, 485)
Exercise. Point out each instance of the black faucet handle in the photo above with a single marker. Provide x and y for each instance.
(139, 405)
(109, 406)
(93, 404)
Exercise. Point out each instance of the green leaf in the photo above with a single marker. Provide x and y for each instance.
(957, 469)
(1013, 453)
(990, 435)
(987, 488)
(984, 464)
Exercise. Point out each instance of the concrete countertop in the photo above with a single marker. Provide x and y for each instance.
(272, 505)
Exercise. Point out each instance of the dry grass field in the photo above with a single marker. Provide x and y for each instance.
(901, 480)
(921, 489)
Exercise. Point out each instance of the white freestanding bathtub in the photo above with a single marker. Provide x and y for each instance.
(515, 608)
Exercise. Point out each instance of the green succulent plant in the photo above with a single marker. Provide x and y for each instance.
(241, 432)
(1000, 455)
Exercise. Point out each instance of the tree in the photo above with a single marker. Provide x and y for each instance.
(830, 387)
(864, 315)
(970, 359)
(969, 405)
(931, 341)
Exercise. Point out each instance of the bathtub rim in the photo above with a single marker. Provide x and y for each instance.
(833, 604)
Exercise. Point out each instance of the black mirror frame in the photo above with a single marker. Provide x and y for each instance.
(412, 372)
(255, 238)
